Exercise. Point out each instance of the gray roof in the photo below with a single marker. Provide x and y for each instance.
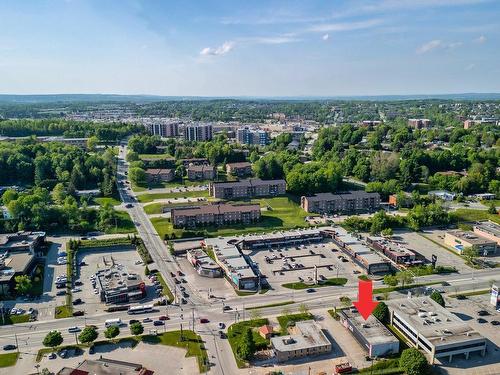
(309, 335)
(371, 329)
(489, 227)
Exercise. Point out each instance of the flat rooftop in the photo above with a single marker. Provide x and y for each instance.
(488, 227)
(437, 324)
(471, 237)
(306, 334)
(353, 194)
(371, 329)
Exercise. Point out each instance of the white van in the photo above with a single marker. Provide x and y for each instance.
(113, 322)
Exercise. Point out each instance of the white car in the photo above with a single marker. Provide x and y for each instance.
(96, 291)
(74, 290)
(13, 311)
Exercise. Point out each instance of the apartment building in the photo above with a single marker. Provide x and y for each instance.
(346, 202)
(198, 132)
(250, 136)
(165, 129)
(430, 327)
(200, 172)
(241, 169)
(215, 214)
(419, 123)
(250, 188)
(159, 175)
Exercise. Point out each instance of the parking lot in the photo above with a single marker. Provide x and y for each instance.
(421, 244)
(94, 261)
(297, 263)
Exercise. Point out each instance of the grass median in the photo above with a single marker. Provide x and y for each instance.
(341, 281)
(8, 359)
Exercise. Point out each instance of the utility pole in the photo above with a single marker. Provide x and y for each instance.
(76, 339)
(192, 310)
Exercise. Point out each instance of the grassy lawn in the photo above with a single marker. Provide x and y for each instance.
(157, 208)
(285, 214)
(103, 200)
(146, 198)
(386, 366)
(235, 331)
(154, 156)
(37, 288)
(63, 311)
(14, 319)
(468, 294)
(166, 291)
(8, 359)
(289, 320)
(328, 282)
(124, 224)
(400, 287)
(284, 303)
(191, 342)
(466, 214)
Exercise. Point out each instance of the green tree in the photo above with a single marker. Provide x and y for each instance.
(111, 332)
(59, 193)
(381, 312)
(88, 335)
(387, 232)
(492, 209)
(53, 339)
(470, 254)
(405, 278)
(413, 362)
(246, 345)
(391, 280)
(437, 297)
(136, 328)
(92, 142)
(23, 284)
(137, 175)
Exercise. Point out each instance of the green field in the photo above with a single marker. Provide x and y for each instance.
(466, 214)
(146, 198)
(154, 156)
(280, 213)
(235, 331)
(8, 359)
(103, 200)
(124, 224)
(157, 208)
(14, 319)
(287, 320)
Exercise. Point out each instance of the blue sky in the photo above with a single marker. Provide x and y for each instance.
(250, 48)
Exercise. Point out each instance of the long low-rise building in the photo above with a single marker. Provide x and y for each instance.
(345, 202)
(250, 188)
(361, 254)
(305, 339)
(459, 240)
(215, 214)
(373, 336)
(488, 229)
(430, 327)
(282, 238)
(396, 252)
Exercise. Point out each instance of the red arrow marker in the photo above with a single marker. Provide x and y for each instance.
(365, 304)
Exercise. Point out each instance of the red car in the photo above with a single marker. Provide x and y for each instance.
(163, 317)
(204, 320)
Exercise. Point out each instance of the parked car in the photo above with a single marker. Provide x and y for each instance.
(78, 313)
(75, 290)
(222, 335)
(77, 301)
(61, 293)
(10, 347)
(226, 308)
(221, 325)
(483, 313)
(52, 356)
(481, 320)
(495, 322)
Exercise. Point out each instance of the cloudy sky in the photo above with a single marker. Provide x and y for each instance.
(250, 48)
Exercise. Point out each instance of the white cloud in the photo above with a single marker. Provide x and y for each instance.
(480, 40)
(325, 37)
(429, 46)
(345, 26)
(221, 50)
(437, 44)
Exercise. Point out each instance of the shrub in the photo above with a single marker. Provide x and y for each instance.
(413, 362)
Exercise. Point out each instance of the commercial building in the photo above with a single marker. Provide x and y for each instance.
(305, 339)
(159, 175)
(373, 336)
(197, 132)
(488, 229)
(459, 240)
(239, 169)
(117, 285)
(362, 255)
(200, 172)
(163, 128)
(419, 123)
(105, 366)
(203, 264)
(346, 202)
(250, 136)
(21, 241)
(215, 214)
(396, 252)
(430, 327)
(234, 264)
(251, 188)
